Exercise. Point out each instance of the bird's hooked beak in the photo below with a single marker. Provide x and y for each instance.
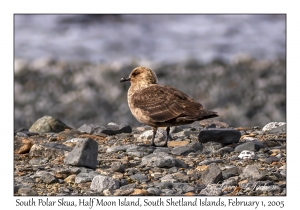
(125, 79)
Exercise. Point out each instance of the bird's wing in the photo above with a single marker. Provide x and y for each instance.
(162, 103)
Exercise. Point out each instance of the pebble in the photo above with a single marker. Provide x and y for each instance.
(85, 177)
(100, 183)
(160, 159)
(118, 165)
(212, 190)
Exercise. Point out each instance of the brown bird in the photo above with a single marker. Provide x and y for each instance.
(161, 106)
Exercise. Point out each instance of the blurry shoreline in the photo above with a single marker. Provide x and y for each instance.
(149, 38)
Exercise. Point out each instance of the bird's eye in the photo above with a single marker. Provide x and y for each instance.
(135, 73)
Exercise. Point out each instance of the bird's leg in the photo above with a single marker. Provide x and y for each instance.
(166, 142)
(153, 136)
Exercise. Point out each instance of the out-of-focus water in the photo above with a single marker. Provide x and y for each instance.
(151, 38)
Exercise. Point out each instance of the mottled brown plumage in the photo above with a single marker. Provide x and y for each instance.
(159, 106)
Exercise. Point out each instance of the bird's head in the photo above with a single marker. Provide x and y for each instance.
(142, 76)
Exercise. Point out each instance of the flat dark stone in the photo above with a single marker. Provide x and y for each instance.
(271, 159)
(224, 136)
(252, 146)
(99, 129)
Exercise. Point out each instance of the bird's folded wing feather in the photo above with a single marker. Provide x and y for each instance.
(162, 103)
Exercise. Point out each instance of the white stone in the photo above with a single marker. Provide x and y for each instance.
(246, 154)
(273, 125)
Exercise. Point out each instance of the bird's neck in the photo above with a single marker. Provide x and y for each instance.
(139, 86)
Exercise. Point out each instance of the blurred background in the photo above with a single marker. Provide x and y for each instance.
(69, 66)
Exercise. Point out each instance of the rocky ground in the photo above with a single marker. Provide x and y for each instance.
(209, 158)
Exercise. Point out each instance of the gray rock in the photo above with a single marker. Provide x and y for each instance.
(176, 129)
(85, 177)
(162, 149)
(168, 178)
(84, 154)
(247, 138)
(122, 148)
(229, 172)
(38, 161)
(153, 191)
(212, 175)
(183, 187)
(168, 192)
(172, 170)
(160, 159)
(271, 159)
(271, 188)
(252, 146)
(24, 179)
(252, 173)
(61, 172)
(211, 160)
(211, 147)
(48, 178)
(184, 150)
(212, 190)
(182, 177)
(184, 134)
(75, 170)
(166, 184)
(283, 173)
(275, 127)
(223, 151)
(110, 129)
(38, 174)
(118, 167)
(131, 171)
(90, 128)
(48, 124)
(123, 192)
(232, 181)
(139, 151)
(128, 186)
(49, 150)
(180, 164)
(275, 176)
(225, 136)
(161, 136)
(101, 183)
(24, 191)
(140, 178)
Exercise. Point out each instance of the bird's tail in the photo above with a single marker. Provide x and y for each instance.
(205, 114)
